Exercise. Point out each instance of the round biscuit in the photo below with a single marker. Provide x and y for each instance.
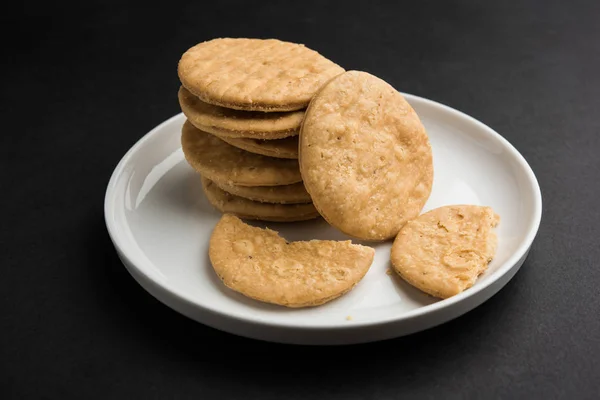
(278, 148)
(222, 162)
(229, 123)
(284, 194)
(244, 208)
(365, 157)
(255, 74)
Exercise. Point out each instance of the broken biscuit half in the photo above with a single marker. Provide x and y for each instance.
(443, 251)
(262, 265)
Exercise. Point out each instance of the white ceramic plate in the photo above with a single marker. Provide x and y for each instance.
(160, 223)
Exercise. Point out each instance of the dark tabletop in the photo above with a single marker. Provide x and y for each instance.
(81, 85)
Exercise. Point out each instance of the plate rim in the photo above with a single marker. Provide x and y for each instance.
(512, 262)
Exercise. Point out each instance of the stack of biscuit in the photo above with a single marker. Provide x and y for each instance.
(359, 156)
(245, 100)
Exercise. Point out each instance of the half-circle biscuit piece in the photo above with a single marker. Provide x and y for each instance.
(260, 264)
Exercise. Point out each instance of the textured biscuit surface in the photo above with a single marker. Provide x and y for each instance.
(365, 156)
(262, 265)
(285, 194)
(279, 148)
(222, 162)
(229, 123)
(255, 74)
(244, 208)
(443, 251)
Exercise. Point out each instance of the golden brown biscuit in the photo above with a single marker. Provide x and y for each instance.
(255, 74)
(260, 264)
(221, 162)
(279, 148)
(285, 194)
(365, 157)
(443, 251)
(244, 208)
(229, 123)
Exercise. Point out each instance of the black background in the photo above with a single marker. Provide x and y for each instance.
(83, 83)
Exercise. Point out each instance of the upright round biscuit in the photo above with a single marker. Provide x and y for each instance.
(229, 123)
(255, 74)
(244, 208)
(219, 161)
(260, 264)
(365, 157)
(279, 148)
(284, 194)
(443, 251)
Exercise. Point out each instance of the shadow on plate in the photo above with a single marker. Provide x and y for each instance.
(409, 292)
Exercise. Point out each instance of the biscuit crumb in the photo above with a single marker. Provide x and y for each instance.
(389, 271)
(349, 318)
